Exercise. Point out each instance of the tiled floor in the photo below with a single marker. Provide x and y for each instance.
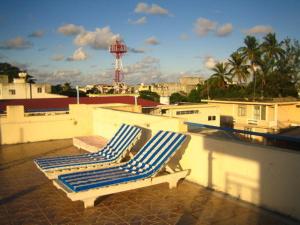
(28, 197)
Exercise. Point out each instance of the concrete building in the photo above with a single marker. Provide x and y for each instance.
(19, 89)
(185, 84)
(195, 113)
(266, 117)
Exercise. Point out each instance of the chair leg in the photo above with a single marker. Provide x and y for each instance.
(173, 184)
(89, 202)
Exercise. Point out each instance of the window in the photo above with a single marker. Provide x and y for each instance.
(260, 112)
(39, 90)
(242, 110)
(211, 118)
(12, 91)
(163, 111)
(187, 112)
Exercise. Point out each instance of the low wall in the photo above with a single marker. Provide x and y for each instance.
(107, 121)
(19, 127)
(261, 175)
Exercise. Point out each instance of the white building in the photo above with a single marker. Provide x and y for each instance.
(194, 113)
(19, 89)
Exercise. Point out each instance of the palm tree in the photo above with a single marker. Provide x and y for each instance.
(221, 76)
(252, 53)
(271, 47)
(238, 69)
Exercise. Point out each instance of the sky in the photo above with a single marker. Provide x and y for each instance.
(67, 40)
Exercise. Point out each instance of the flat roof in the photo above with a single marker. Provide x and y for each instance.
(186, 106)
(254, 103)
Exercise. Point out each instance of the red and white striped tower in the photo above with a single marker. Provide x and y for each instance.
(118, 49)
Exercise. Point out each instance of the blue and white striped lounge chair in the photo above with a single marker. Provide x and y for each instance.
(114, 151)
(141, 171)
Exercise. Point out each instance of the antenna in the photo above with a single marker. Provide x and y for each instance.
(118, 49)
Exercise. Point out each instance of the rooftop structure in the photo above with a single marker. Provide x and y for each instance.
(20, 89)
(196, 113)
(266, 117)
(185, 84)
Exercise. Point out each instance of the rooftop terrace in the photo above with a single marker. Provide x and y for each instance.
(28, 197)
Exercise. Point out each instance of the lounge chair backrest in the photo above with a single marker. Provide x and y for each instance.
(124, 137)
(146, 163)
(156, 153)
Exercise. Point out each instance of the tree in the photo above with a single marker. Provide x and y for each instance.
(177, 98)
(194, 96)
(66, 87)
(239, 69)
(67, 90)
(149, 95)
(271, 47)
(251, 52)
(13, 72)
(221, 77)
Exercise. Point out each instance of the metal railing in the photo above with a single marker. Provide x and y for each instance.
(247, 132)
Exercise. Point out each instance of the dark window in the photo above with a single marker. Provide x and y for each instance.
(12, 91)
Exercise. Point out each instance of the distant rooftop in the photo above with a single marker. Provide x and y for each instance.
(280, 101)
(61, 104)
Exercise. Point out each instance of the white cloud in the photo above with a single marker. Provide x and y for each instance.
(58, 57)
(70, 29)
(259, 29)
(183, 37)
(150, 9)
(101, 38)
(78, 55)
(202, 26)
(139, 21)
(209, 62)
(146, 70)
(152, 41)
(37, 34)
(136, 50)
(224, 30)
(15, 43)
(58, 76)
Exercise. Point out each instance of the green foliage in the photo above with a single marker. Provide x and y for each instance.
(149, 95)
(194, 96)
(94, 90)
(67, 90)
(177, 98)
(13, 72)
(274, 67)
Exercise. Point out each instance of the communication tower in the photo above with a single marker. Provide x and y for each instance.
(118, 49)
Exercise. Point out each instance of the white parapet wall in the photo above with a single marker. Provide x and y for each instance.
(20, 127)
(264, 176)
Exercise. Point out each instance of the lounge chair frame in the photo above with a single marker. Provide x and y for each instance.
(89, 197)
(55, 172)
